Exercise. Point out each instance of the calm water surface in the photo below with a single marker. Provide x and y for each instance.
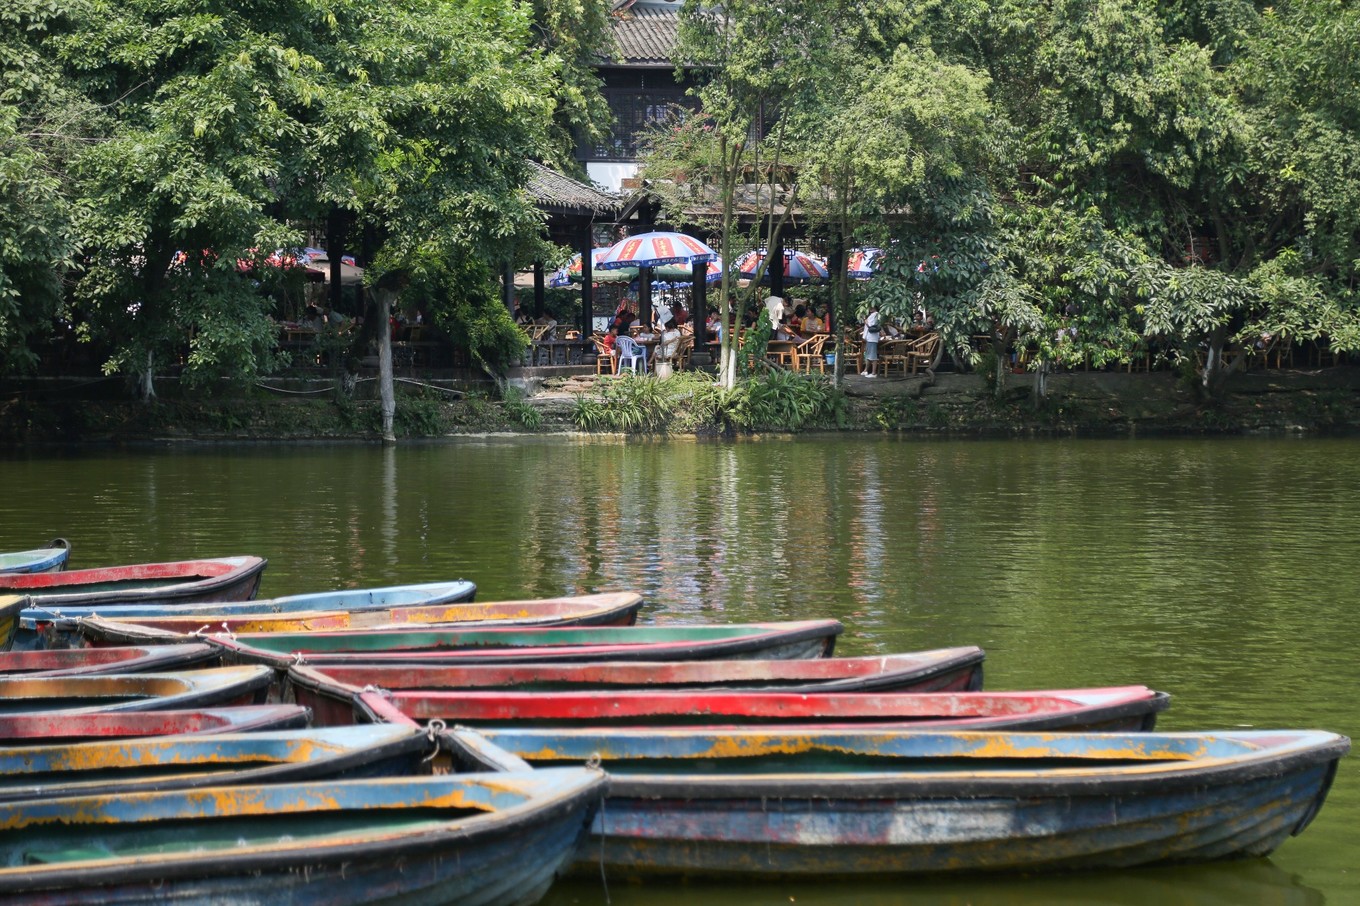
(1223, 571)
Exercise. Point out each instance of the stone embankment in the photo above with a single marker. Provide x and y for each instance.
(1082, 403)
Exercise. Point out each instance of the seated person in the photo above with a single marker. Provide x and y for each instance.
(670, 342)
(812, 323)
(312, 318)
(786, 332)
(714, 325)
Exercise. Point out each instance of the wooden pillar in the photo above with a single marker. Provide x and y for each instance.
(508, 286)
(587, 282)
(698, 309)
(539, 298)
(775, 267)
(645, 297)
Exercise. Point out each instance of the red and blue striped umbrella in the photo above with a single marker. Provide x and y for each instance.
(656, 249)
(860, 265)
(673, 275)
(799, 267)
(570, 272)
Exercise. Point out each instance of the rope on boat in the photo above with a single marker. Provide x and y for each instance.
(434, 729)
(604, 879)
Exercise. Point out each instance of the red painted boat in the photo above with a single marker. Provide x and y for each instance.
(102, 661)
(65, 726)
(781, 640)
(329, 690)
(610, 609)
(180, 582)
(1114, 709)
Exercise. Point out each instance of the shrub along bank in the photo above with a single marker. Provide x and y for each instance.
(1107, 404)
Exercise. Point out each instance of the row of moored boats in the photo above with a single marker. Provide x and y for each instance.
(166, 734)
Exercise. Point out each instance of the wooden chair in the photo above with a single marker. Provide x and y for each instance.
(682, 355)
(892, 356)
(604, 361)
(852, 353)
(921, 353)
(808, 354)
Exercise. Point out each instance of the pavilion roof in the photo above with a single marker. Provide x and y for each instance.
(557, 193)
(644, 36)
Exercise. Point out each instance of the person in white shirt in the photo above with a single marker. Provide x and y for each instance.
(871, 331)
(774, 307)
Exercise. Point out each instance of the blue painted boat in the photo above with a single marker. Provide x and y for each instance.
(611, 609)
(48, 727)
(836, 803)
(51, 558)
(57, 623)
(108, 767)
(242, 685)
(101, 661)
(466, 838)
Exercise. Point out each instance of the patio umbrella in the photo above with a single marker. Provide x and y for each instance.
(860, 265)
(570, 272)
(656, 249)
(799, 267)
(649, 251)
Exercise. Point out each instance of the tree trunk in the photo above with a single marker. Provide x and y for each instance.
(1040, 382)
(146, 389)
(386, 394)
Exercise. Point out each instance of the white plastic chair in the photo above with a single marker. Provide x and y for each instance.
(631, 355)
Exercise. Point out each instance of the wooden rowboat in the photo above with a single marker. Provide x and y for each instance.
(1119, 708)
(614, 609)
(329, 690)
(795, 639)
(106, 767)
(66, 726)
(91, 661)
(467, 838)
(59, 624)
(11, 606)
(835, 803)
(51, 558)
(137, 691)
(101, 661)
(182, 582)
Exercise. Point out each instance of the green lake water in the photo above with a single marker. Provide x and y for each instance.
(1225, 572)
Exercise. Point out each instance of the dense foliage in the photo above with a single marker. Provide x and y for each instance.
(1077, 179)
(153, 155)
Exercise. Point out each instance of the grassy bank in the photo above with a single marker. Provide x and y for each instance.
(1324, 401)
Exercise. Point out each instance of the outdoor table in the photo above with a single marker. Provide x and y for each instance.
(781, 351)
(560, 352)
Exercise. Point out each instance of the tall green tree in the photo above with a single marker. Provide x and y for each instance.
(43, 122)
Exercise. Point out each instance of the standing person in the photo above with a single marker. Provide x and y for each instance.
(774, 307)
(872, 328)
(661, 313)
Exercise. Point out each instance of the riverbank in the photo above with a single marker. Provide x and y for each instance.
(1081, 404)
